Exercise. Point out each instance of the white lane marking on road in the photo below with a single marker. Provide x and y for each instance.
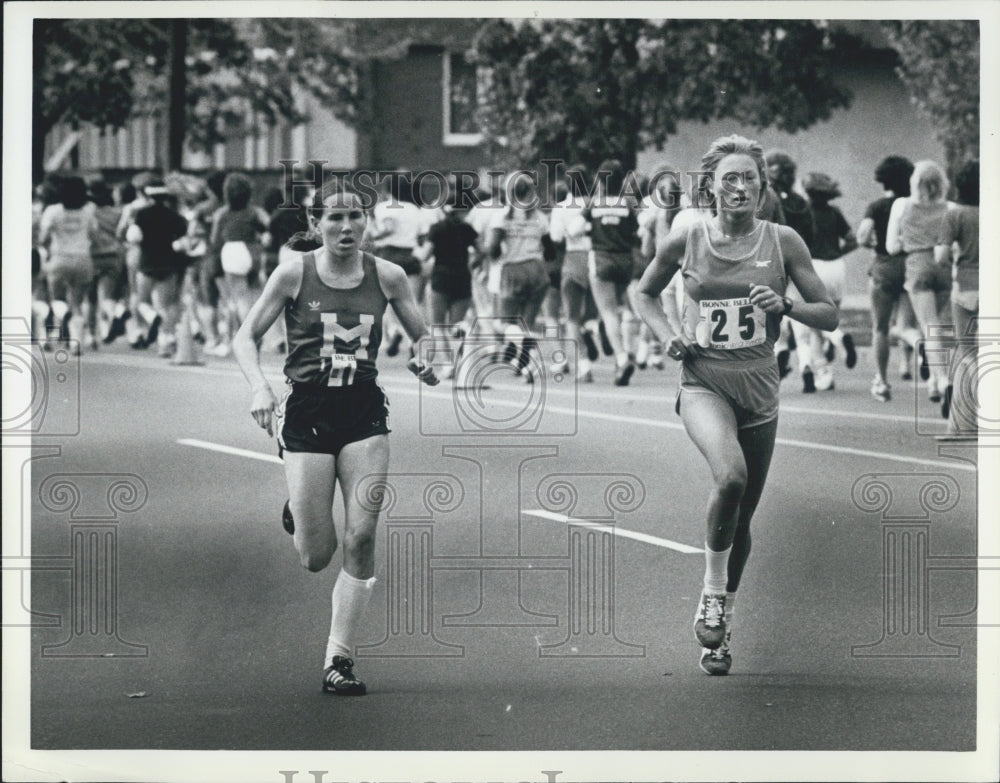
(615, 417)
(668, 425)
(618, 531)
(667, 395)
(232, 450)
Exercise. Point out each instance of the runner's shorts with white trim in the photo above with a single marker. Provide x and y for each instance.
(324, 419)
(749, 386)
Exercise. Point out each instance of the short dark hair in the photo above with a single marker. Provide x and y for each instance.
(967, 183)
(894, 174)
(73, 192)
(238, 190)
(101, 194)
(273, 199)
(127, 192)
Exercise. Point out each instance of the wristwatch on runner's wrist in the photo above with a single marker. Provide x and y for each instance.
(788, 305)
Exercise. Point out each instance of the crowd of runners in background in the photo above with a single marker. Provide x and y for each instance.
(151, 258)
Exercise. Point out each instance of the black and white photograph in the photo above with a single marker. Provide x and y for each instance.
(500, 392)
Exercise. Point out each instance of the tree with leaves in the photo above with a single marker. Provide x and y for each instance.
(107, 71)
(939, 64)
(592, 89)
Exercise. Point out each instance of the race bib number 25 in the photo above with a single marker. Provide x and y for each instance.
(728, 324)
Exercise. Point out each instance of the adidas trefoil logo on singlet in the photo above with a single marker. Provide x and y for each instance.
(761, 263)
(314, 305)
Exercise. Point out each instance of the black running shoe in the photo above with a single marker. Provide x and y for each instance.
(828, 350)
(850, 355)
(339, 678)
(605, 342)
(154, 331)
(946, 402)
(393, 347)
(925, 370)
(287, 521)
(510, 354)
(590, 345)
(64, 330)
(116, 329)
(624, 373)
(808, 382)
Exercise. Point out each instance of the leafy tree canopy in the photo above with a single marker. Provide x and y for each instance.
(596, 88)
(105, 71)
(939, 63)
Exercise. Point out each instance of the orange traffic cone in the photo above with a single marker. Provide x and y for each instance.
(187, 352)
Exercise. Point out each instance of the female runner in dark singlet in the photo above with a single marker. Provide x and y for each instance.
(332, 423)
(735, 268)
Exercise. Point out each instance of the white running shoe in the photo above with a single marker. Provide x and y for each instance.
(710, 620)
(881, 390)
(220, 349)
(824, 380)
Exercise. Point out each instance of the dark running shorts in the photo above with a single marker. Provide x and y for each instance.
(749, 387)
(455, 284)
(888, 274)
(324, 419)
(401, 256)
(612, 267)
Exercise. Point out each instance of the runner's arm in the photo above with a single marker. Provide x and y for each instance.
(661, 269)
(282, 285)
(397, 290)
(818, 310)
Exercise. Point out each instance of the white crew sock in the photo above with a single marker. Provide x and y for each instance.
(39, 312)
(716, 574)
(146, 311)
(349, 601)
(59, 311)
(730, 607)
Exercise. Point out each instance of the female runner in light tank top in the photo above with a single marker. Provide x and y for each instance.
(332, 423)
(735, 268)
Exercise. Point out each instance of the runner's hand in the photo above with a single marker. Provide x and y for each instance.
(424, 372)
(679, 348)
(262, 408)
(767, 300)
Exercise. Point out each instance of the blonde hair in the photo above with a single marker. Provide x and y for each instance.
(735, 145)
(928, 183)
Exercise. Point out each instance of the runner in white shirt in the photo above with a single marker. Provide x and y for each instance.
(566, 225)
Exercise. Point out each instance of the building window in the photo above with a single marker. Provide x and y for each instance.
(460, 90)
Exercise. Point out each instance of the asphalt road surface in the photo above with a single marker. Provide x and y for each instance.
(507, 615)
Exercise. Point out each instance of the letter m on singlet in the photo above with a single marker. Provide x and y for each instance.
(342, 370)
